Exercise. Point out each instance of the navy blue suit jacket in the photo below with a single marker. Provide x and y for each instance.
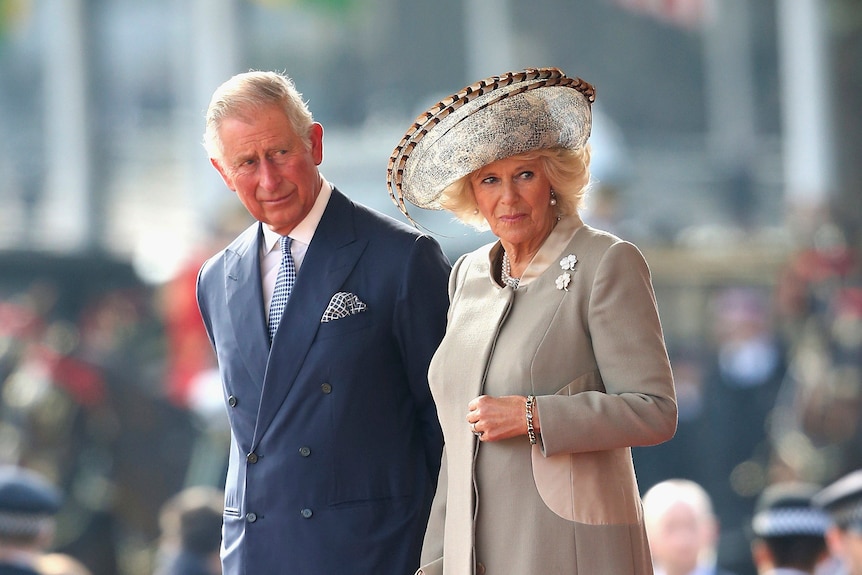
(335, 444)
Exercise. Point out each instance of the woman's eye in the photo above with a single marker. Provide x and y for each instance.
(526, 175)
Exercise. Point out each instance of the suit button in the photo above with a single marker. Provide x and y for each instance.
(232, 401)
(306, 513)
(251, 458)
(251, 517)
(326, 388)
(304, 451)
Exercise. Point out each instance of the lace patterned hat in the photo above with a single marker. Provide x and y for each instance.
(494, 118)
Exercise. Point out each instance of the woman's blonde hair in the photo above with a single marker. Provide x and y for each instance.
(567, 170)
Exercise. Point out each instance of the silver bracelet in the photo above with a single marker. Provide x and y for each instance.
(531, 433)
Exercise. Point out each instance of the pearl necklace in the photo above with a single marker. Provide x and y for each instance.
(506, 273)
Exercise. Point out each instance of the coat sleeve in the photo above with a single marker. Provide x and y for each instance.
(630, 400)
(420, 320)
(200, 289)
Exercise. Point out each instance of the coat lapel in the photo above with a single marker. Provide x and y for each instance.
(331, 257)
(244, 301)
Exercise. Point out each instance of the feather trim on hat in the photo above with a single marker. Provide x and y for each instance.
(490, 120)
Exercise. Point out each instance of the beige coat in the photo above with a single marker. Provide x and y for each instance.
(594, 355)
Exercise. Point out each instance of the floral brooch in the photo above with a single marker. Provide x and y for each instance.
(568, 265)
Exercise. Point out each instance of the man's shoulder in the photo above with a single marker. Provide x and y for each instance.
(385, 223)
(237, 248)
(383, 229)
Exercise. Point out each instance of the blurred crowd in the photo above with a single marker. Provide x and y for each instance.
(97, 392)
(774, 394)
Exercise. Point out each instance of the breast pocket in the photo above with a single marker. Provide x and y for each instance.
(345, 325)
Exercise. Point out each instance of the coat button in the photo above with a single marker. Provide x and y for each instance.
(480, 569)
(304, 451)
(251, 517)
(306, 513)
(232, 401)
(251, 458)
(326, 388)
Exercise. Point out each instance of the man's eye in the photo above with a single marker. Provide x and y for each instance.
(279, 157)
(245, 167)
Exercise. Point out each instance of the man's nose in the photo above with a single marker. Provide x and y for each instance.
(269, 175)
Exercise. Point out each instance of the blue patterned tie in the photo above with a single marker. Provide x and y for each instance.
(283, 284)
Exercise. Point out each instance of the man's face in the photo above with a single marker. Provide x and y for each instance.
(678, 538)
(270, 167)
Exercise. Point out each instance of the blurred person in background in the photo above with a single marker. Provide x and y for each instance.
(788, 530)
(744, 373)
(842, 500)
(28, 508)
(324, 316)
(553, 364)
(683, 457)
(682, 528)
(820, 405)
(191, 523)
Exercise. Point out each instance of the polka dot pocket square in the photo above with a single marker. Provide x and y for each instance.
(343, 304)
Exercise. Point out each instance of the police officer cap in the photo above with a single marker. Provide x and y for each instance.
(26, 500)
(787, 510)
(843, 501)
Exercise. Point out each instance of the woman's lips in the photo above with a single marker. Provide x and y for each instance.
(510, 218)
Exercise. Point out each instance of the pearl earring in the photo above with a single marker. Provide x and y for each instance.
(553, 198)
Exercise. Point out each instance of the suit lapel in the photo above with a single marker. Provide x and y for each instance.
(331, 257)
(244, 301)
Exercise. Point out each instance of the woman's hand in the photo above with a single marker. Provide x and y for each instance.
(496, 418)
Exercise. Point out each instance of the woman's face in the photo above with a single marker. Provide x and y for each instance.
(514, 196)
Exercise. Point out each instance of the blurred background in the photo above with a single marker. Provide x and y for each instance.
(726, 144)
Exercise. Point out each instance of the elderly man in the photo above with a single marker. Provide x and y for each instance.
(324, 316)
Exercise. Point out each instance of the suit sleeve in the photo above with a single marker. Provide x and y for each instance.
(420, 321)
(199, 293)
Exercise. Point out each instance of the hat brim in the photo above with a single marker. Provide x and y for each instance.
(490, 120)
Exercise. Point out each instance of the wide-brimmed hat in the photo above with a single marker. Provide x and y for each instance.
(490, 120)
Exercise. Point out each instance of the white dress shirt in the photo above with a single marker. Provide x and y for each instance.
(270, 253)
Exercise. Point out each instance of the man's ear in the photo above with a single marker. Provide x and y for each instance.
(315, 136)
(228, 181)
(761, 556)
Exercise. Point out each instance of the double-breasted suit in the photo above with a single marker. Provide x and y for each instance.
(335, 444)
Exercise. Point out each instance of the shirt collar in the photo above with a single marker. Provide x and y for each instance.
(304, 230)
